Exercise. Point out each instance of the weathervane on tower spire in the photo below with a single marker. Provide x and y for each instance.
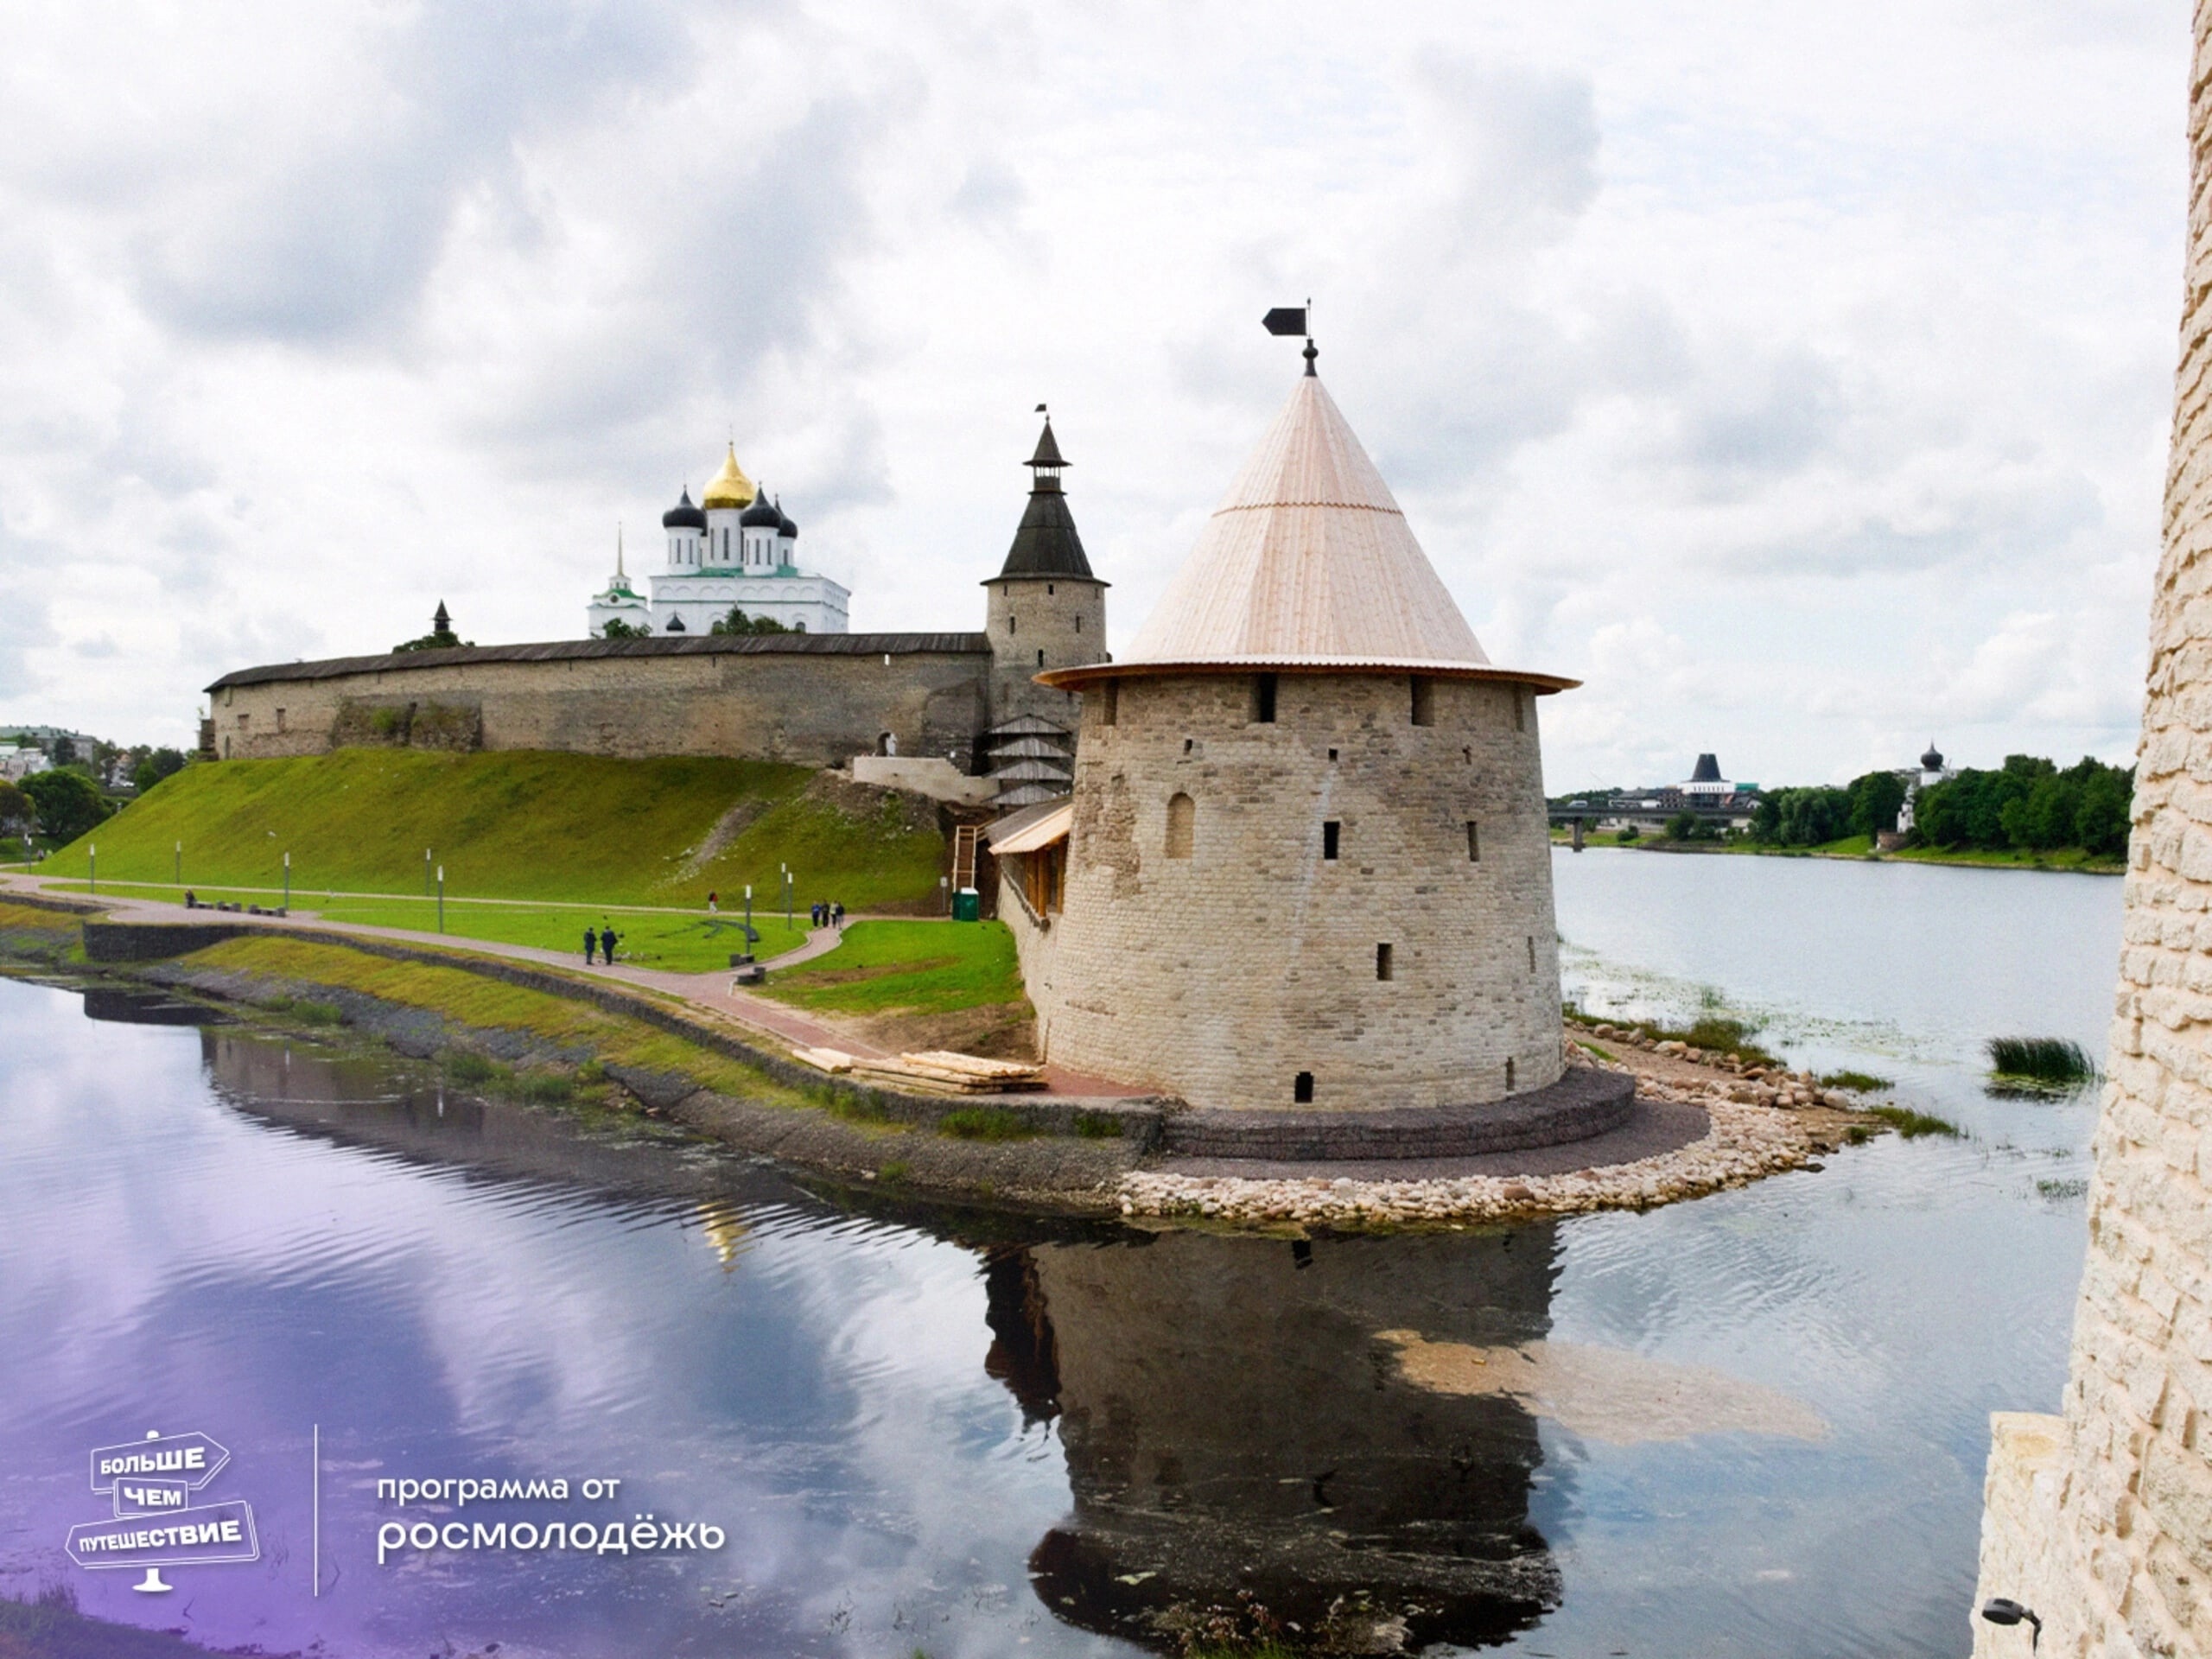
(1293, 319)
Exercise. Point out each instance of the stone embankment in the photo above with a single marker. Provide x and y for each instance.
(1760, 1121)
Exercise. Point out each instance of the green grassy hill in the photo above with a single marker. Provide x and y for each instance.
(569, 827)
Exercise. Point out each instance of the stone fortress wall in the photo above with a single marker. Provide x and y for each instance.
(814, 699)
(1038, 623)
(2100, 1519)
(811, 699)
(1470, 1011)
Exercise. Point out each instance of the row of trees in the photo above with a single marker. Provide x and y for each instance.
(61, 804)
(2028, 804)
(72, 795)
(1810, 817)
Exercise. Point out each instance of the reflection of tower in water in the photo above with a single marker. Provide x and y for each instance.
(1233, 1423)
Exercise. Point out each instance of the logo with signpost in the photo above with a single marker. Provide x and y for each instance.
(159, 1518)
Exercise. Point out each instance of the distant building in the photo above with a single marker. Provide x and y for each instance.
(735, 548)
(1930, 772)
(17, 762)
(1706, 793)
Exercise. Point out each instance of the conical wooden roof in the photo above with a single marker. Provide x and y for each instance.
(1307, 558)
(1308, 563)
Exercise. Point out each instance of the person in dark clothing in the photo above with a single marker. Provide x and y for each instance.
(606, 945)
(591, 944)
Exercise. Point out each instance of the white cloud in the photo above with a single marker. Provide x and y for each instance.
(1767, 374)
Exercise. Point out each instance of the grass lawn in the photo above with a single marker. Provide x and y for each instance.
(523, 824)
(682, 942)
(925, 967)
(475, 1001)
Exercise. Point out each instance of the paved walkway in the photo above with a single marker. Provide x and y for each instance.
(712, 997)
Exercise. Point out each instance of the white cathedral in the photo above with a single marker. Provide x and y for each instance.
(736, 548)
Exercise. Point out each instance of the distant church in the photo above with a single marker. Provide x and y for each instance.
(735, 548)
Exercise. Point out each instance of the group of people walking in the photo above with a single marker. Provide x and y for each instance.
(600, 942)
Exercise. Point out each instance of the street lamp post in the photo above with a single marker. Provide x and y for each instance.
(288, 882)
(787, 895)
(92, 867)
(442, 898)
(180, 863)
(426, 872)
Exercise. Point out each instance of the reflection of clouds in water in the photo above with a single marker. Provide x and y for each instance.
(901, 1320)
(518, 1326)
(1607, 1394)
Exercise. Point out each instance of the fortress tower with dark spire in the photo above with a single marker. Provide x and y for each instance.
(1045, 609)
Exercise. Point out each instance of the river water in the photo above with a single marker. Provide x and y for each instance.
(967, 1434)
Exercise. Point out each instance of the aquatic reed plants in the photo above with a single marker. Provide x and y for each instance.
(2053, 1061)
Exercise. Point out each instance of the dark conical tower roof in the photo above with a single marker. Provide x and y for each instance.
(1046, 543)
(1707, 770)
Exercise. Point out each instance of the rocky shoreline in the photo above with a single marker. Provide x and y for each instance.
(1731, 1122)
(1760, 1121)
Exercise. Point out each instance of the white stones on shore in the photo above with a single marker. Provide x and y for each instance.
(1745, 1140)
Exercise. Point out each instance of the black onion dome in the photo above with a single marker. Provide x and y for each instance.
(788, 526)
(1933, 760)
(1046, 543)
(683, 516)
(761, 515)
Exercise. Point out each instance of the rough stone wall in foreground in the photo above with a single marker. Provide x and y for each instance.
(2102, 1521)
(810, 709)
(1220, 976)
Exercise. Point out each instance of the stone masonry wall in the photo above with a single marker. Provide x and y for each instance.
(1039, 622)
(811, 709)
(2106, 1530)
(1220, 977)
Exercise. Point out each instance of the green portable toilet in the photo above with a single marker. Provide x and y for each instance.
(967, 906)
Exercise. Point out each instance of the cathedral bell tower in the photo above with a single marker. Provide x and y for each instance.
(1046, 610)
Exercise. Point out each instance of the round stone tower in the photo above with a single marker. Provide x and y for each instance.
(1310, 862)
(1044, 609)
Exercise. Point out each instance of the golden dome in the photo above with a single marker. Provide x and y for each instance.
(730, 487)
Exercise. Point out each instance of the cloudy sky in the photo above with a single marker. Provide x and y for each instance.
(1798, 377)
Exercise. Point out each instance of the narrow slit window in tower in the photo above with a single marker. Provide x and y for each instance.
(1474, 843)
(1509, 1076)
(1424, 702)
(1263, 699)
(1182, 824)
(1330, 833)
(1040, 659)
(1520, 709)
(1532, 953)
(1301, 1089)
(1383, 965)
(1110, 702)
(1048, 590)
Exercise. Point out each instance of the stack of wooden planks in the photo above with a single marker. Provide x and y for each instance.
(934, 1071)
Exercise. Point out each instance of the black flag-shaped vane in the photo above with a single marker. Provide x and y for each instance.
(1285, 319)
